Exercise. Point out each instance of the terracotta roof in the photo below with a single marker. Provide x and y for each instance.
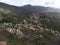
(3, 43)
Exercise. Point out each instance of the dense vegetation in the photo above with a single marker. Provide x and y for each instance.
(29, 25)
(37, 29)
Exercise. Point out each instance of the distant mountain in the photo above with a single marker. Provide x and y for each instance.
(28, 9)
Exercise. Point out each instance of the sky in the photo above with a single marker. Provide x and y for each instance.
(47, 3)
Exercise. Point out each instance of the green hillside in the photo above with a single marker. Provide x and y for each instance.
(29, 27)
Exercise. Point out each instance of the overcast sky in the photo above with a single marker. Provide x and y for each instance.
(48, 3)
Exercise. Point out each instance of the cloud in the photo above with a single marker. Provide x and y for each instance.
(53, 3)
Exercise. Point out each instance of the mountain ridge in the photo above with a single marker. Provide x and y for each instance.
(28, 8)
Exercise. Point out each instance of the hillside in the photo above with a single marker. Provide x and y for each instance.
(29, 25)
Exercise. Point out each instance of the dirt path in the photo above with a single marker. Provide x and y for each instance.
(4, 33)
